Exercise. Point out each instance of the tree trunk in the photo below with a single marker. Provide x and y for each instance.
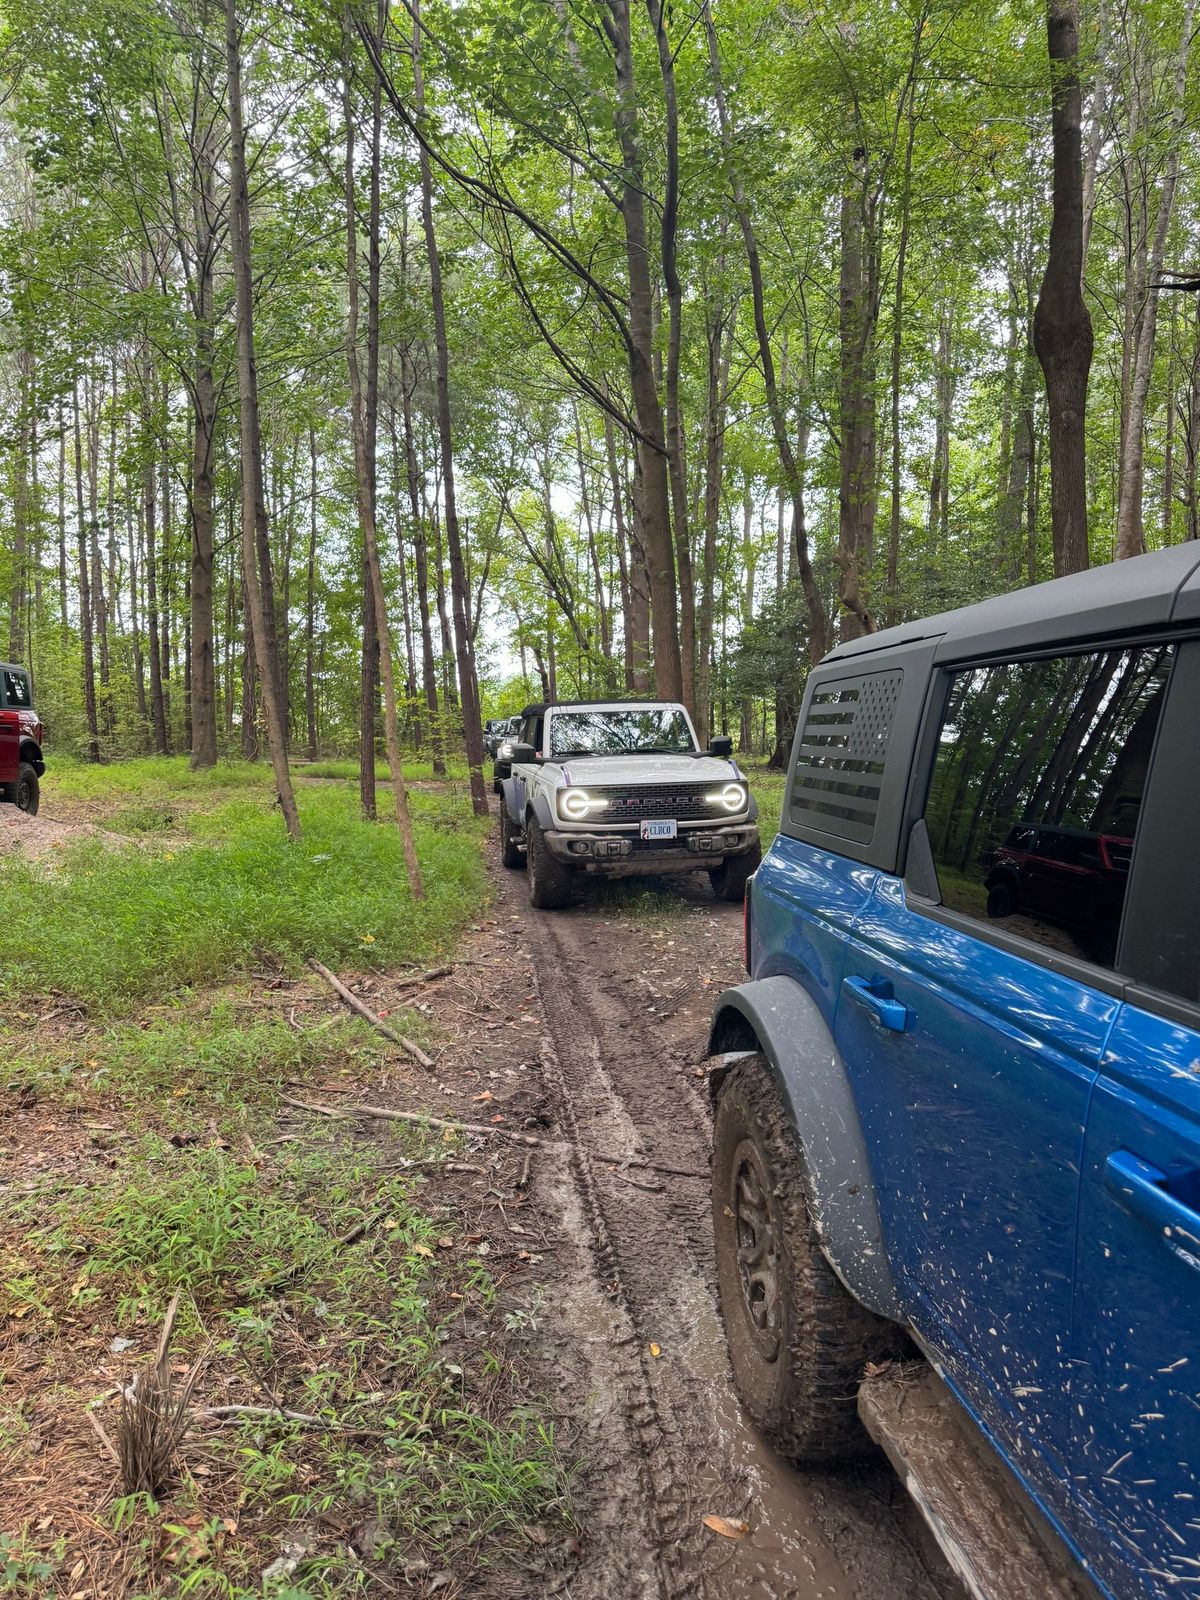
(676, 440)
(1131, 538)
(254, 514)
(364, 418)
(158, 709)
(892, 608)
(421, 566)
(85, 598)
(856, 398)
(1062, 328)
(818, 622)
(468, 682)
(653, 502)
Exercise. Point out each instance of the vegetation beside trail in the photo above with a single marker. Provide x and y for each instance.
(152, 1022)
(215, 888)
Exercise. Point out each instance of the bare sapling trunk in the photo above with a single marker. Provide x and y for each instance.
(254, 514)
(364, 416)
(1062, 328)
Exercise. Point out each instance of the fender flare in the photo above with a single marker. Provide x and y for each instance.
(30, 751)
(508, 799)
(540, 806)
(778, 1018)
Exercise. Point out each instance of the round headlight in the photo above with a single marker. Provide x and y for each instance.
(575, 804)
(732, 796)
(505, 750)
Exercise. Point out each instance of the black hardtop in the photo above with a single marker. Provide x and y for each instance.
(1144, 592)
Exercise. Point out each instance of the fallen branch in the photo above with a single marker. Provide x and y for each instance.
(419, 1118)
(102, 1434)
(365, 1012)
(423, 977)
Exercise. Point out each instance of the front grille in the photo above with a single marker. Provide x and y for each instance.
(683, 801)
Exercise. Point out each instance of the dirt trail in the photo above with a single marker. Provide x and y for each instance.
(625, 1004)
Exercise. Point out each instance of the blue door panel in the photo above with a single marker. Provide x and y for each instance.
(1136, 1456)
(804, 904)
(975, 1116)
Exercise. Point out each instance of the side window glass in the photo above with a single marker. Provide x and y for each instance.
(16, 691)
(1035, 793)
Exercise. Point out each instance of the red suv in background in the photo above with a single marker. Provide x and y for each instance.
(21, 735)
(1064, 875)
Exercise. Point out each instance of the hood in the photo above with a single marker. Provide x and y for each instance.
(582, 771)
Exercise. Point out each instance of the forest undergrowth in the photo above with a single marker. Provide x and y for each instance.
(353, 1410)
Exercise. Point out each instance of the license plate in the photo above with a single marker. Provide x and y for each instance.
(659, 829)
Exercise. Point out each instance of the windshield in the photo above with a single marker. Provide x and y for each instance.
(652, 730)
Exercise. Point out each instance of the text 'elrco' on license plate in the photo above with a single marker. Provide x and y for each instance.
(659, 828)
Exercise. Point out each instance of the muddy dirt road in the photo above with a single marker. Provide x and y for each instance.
(625, 992)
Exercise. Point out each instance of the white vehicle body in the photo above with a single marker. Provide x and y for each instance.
(637, 811)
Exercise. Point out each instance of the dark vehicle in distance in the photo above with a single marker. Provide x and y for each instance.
(508, 731)
(21, 739)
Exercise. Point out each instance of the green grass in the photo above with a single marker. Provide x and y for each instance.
(353, 1329)
(195, 1061)
(381, 1334)
(767, 787)
(110, 928)
(416, 770)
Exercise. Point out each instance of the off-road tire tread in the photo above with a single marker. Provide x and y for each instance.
(28, 774)
(805, 1402)
(510, 851)
(549, 880)
(729, 879)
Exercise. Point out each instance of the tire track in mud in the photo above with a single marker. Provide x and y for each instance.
(620, 1090)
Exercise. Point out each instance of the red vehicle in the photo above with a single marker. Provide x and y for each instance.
(1069, 876)
(21, 735)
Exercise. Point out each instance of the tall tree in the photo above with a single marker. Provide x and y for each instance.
(1062, 326)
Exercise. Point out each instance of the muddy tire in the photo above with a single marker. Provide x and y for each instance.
(798, 1342)
(729, 879)
(549, 880)
(1001, 900)
(510, 850)
(27, 791)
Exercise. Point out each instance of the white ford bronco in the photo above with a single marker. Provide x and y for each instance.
(617, 787)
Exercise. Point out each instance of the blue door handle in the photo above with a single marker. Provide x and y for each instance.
(1143, 1189)
(876, 995)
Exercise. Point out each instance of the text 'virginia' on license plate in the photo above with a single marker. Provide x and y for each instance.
(659, 828)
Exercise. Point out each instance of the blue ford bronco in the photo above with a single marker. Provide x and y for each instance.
(957, 1103)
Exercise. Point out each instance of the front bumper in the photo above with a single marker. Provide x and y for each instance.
(620, 853)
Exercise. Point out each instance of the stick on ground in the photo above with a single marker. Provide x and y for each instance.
(419, 1118)
(365, 1012)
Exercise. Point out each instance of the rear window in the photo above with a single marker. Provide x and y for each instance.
(1036, 789)
(842, 752)
(18, 694)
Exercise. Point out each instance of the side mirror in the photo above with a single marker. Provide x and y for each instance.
(720, 745)
(523, 752)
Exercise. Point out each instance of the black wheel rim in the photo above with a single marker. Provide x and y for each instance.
(757, 1239)
(24, 795)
